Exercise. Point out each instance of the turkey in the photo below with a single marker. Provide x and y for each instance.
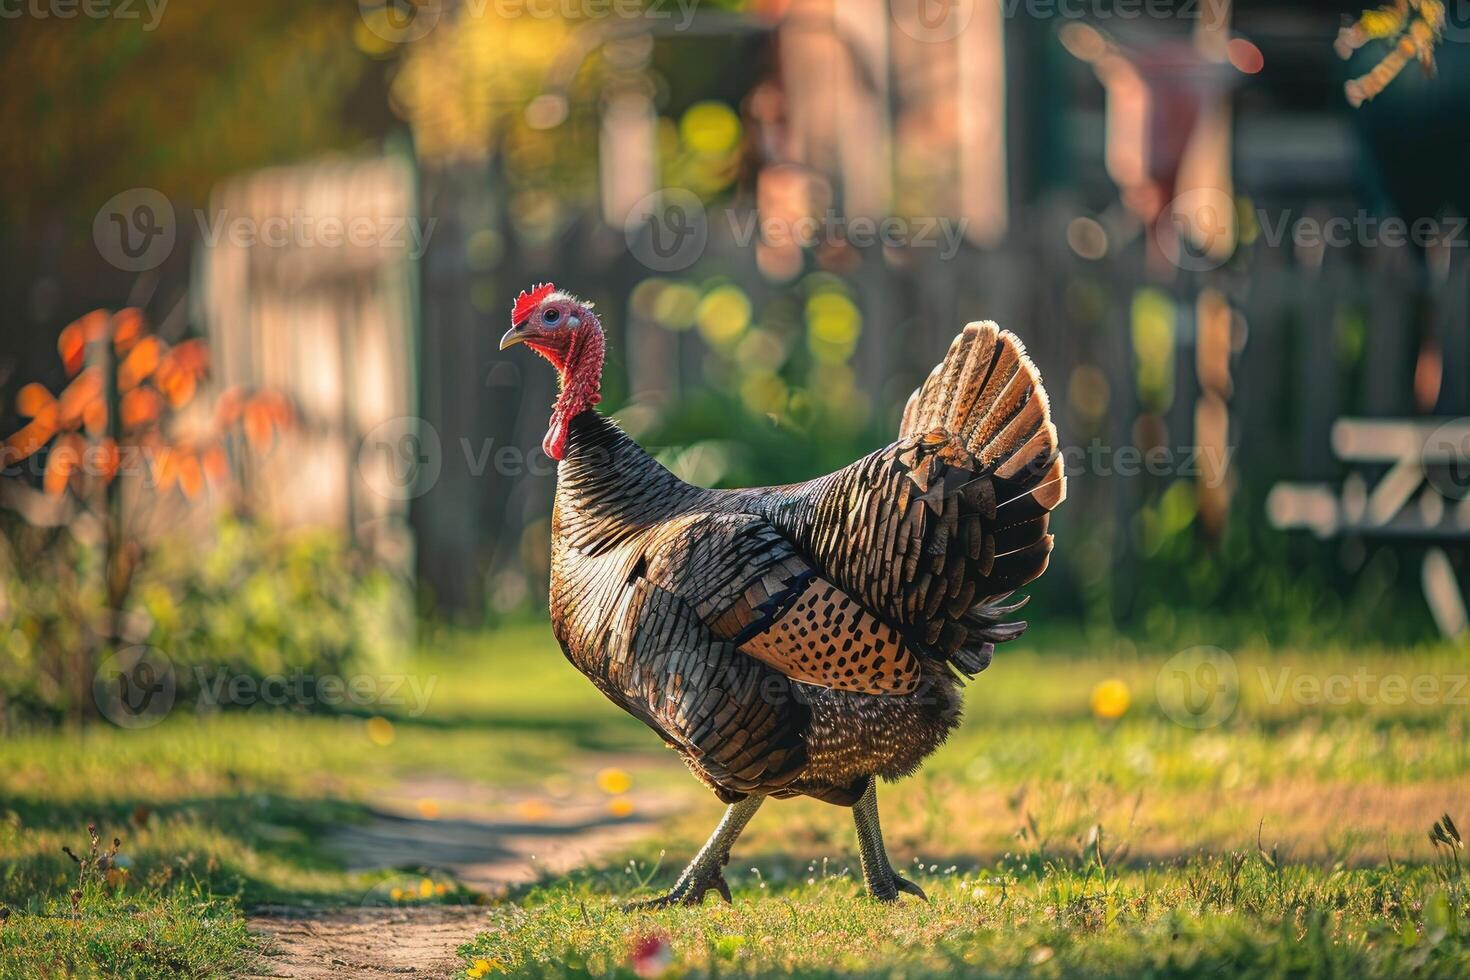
(804, 639)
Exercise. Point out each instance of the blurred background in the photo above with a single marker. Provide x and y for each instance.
(257, 259)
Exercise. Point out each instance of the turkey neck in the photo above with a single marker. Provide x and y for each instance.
(581, 384)
(606, 484)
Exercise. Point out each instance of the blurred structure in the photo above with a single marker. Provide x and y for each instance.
(785, 210)
(309, 292)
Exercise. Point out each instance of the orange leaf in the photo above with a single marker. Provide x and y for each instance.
(191, 475)
(190, 357)
(280, 409)
(165, 464)
(141, 362)
(86, 389)
(72, 344)
(216, 464)
(33, 400)
(258, 425)
(72, 347)
(179, 388)
(127, 329)
(227, 406)
(65, 459)
(30, 438)
(54, 482)
(141, 406)
(94, 416)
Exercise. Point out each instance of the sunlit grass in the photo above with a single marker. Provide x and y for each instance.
(1290, 834)
(1056, 838)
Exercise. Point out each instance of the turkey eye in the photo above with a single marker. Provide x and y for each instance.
(551, 316)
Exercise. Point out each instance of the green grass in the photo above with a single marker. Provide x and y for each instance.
(169, 935)
(220, 813)
(1288, 839)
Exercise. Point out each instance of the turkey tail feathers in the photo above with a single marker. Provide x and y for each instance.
(986, 625)
(987, 394)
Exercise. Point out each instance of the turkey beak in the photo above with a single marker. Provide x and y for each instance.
(512, 337)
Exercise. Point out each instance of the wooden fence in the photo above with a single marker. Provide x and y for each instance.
(1230, 378)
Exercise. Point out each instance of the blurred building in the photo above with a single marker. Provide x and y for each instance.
(1122, 184)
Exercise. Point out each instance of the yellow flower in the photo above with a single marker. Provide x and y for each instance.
(426, 888)
(380, 731)
(396, 894)
(620, 806)
(428, 809)
(480, 968)
(1110, 699)
(613, 782)
(533, 810)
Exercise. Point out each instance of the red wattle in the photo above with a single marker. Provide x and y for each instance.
(581, 380)
(554, 443)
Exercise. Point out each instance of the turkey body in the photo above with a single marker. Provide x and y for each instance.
(800, 640)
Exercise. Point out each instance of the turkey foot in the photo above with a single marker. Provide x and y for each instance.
(704, 873)
(690, 889)
(884, 884)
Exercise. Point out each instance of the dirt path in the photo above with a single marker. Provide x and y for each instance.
(371, 942)
(487, 839)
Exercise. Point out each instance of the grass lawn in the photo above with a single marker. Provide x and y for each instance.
(1280, 831)
(222, 813)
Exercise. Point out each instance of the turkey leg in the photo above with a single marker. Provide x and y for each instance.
(705, 871)
(883, 882)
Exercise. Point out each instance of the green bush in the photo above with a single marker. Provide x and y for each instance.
(250, 602)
